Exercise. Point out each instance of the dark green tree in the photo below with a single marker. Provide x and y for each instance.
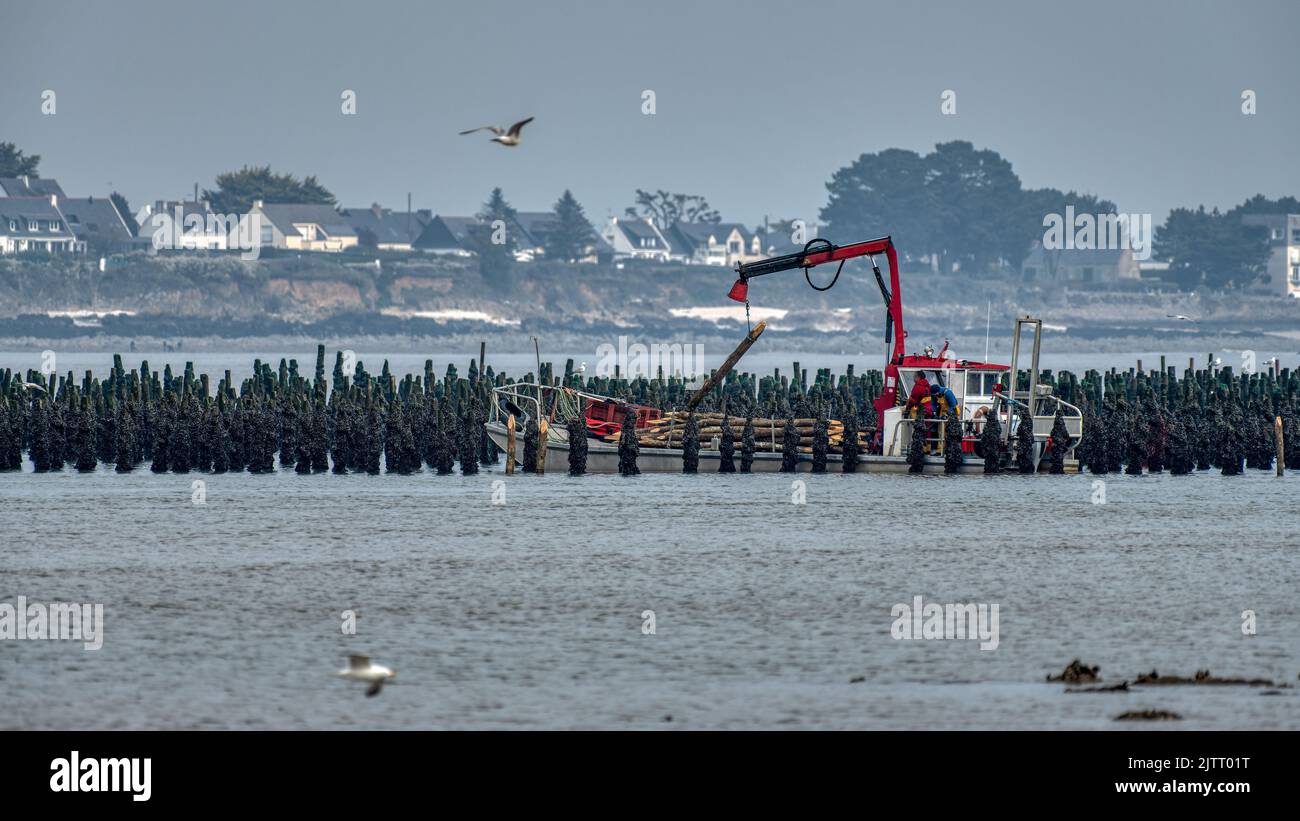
(665, 208)
(236, 190)
(1210, 249)
(13, 163)
(569, 233)
(493, 240)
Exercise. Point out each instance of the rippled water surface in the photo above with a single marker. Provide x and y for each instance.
(529, 614)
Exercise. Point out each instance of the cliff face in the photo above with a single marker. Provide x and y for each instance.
(300, 289)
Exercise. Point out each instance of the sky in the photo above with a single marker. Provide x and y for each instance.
(756, 104)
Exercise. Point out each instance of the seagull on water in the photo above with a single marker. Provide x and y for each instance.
(505, 136)
(360, 669)
(1180, 316)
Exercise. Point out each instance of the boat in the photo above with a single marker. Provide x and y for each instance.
(983, 390)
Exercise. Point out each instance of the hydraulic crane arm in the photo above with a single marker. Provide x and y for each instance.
(820, 251)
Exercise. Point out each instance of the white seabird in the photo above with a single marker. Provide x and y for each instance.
(504, 136)
(360, 669)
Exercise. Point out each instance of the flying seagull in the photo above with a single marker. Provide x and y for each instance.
(504, 136)
(1180, 316)
(360, 669)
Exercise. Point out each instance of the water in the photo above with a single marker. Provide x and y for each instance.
(529, 614)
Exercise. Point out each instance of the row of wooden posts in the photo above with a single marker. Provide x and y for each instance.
(1135, 420)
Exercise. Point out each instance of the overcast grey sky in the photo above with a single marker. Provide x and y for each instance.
(757, 103)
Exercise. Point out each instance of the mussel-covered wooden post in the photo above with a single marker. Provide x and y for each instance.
(691, 445)
(916, 448)
(726, 448)
(577, 431)
(849, 443)
(952, 455)
(627, 445)
(1025, 442)
(820, 443)
(1181, 451)
(1060, 442)
(747, 445)
(789, 446)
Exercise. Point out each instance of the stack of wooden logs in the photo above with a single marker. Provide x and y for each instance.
(769, 434)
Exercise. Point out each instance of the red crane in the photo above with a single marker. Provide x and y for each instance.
(820, 251)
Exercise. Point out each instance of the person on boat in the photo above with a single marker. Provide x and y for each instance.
(943, 399)
(920, 403)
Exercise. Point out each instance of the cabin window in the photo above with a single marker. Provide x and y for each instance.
(13, 225)
(980, 383)
(1295, 274)
(54, 226)
(975, 385)
(33, 225)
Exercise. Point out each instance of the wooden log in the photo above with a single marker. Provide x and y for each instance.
(727, 365)
(510, 445)
(542, 426)
(1277, 436)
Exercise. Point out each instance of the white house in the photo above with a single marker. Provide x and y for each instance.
(1284, 238)
(636, 239)
(35, 224)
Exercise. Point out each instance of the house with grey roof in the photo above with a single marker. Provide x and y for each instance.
(1080, 265)
(530, 238)
(1284, 262)
(96, 222)
(529, 233)
(385, 229)
(302, 227)
(31, 224)
(721, 243)
(28, 186)
(636, 239)
(447, 235)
